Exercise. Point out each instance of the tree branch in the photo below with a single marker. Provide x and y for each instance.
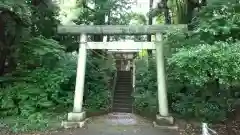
(87, 7)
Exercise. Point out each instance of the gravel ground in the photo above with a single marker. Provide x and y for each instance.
(130, 124)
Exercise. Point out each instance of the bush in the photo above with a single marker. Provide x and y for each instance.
(44, 84)
(146, 87)
(97, 90)
(207, 80)
(202, 65)
(200, 82)
(41, 90)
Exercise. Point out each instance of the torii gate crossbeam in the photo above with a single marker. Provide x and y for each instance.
(118, 29)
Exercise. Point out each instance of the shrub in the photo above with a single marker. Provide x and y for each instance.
(44, 81)
(200, 82)
(207, 72)
(97, 91)
(40, 90)
(146, 86)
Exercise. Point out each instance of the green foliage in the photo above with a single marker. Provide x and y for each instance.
(219, 21)
(97, 89)
(40, 93)
(146, 86)
(212, 72)
(50, 87)
(187, 98)
(27, 97)
(139, 18)
(39, 121)
(42, 76)
(44, 18)
(202, 66)
(39, 51)
(36, 121)
(208, 62)
(20, 7)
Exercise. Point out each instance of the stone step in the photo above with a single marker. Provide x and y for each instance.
(122, 105)
(124, 89)
(124, 73)
(129, 100)
(124, 81)
(124, 78)
(126, 93)
(124, 84)
(127, 110)
(123, 93)
(120, 92)
(122, 97)
(122, 101)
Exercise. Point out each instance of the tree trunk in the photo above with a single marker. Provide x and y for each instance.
(3, 57)
(99, 38)
(150, 23)
(6, 40)
(108, 23)
(166, 12)
(190, 11)
(204, 3)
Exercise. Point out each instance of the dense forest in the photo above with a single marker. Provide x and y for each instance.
(202, 64)
(38, 66)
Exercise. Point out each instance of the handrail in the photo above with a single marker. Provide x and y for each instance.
(133, 76)
(114, 86)
(133, 87)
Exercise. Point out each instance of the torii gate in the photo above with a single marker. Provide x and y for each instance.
(77, 117)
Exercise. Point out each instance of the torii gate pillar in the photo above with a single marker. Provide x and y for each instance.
(163, 117)
(77, 117)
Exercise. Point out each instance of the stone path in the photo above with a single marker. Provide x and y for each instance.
(119, 124)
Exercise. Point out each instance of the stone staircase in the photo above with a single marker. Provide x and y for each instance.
(122, 100)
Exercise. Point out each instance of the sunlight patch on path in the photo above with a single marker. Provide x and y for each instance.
(115, 119)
